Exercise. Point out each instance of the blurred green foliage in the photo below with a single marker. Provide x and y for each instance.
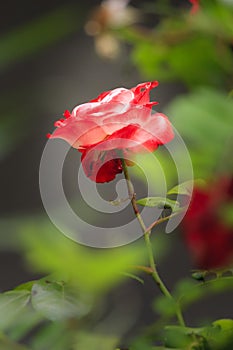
(187, 292)
(212, 337)
(204, 119)
(194, 49)
(79, 278)
(93, 271)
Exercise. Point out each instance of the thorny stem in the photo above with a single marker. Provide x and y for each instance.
(146, 232)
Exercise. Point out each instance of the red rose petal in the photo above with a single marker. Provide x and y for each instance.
(101, 166)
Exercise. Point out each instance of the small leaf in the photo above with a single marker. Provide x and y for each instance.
(165, 306)
(131, 275)
(159, 202)
(182, 337)
(25, 286)
(219, 334)
(95, 341)
(176, 337)
(225, 324)
(11, 303)
(188, 289)
(54, 301)
(22, 326)
(187, 292)
(184, 188)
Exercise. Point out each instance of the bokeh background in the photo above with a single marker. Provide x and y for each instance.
(57, 54)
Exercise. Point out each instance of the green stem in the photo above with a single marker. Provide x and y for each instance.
(146, 232)
(161, 220)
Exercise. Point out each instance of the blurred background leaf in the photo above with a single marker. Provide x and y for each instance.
(91, 270)
(173, 50)
(55, 301)
(204, 119)
(11, 305)
(95, 341)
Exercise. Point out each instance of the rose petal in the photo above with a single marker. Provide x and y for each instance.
(120, 140)
(142, 92)
(101, 166)
(121, 95)
(79, 133)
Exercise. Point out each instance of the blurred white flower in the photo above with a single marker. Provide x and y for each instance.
(111, 14)
(107, 46)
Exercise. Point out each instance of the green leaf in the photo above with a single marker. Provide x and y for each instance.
(25, 324)
(185, 188)
(225, 324)
(53, 335)
(186, 286)
(176, 337)
(144, 344)
(184, 338)
(25, 286)
(220, 334)
(203, 66)
(165, 306)
(188, 291)
(95, 341)
(11, 304)
(158, 202)
(54, 301)
(155, 55)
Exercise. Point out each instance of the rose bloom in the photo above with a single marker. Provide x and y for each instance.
(117, 124)
(208, 236)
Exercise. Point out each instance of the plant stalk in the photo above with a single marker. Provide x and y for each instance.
(146, 233)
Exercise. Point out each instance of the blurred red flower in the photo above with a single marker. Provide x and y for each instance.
(118, 123)
(208, 236)
(195, 6)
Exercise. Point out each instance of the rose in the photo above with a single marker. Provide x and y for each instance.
(208, 237)
(115, 125)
